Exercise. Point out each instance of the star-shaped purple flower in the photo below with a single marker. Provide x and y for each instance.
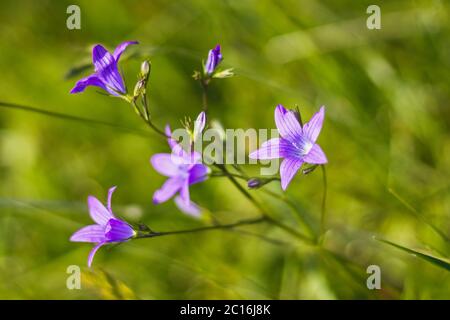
(296, 145)
(107, 75)
(214, 58)
(108, 228)
(182, 169)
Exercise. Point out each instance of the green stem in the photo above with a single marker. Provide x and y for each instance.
(147, 119)
(242, 177)
(301, 216)
(152, 234)
(324, 200)
(63, 116)
(145, 104)
(204, 95)
(263, 211)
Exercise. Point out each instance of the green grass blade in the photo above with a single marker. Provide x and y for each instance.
(63, 116)
(418, 215)
(439, 262)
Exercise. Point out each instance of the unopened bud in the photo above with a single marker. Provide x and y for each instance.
(145, 69)
(254, 183)
(139, 88)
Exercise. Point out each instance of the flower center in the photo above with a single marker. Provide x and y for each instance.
(307, 147)
(303, 146)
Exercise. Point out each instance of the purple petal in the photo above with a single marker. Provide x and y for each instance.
(106, 70)
(179, 156)
(315, 156)
(168, 189)
(287, 124)
(273, 149)
(198, 173)
(270, 149)
(184, 192)
(187, 207)
(92, 253)
(110, 193)
(192, 158)
(214, 58)
(288, 169)
(121, 48)
(172, 142)
(101, 58)
(98, 212)
(162, 162)
(118, 230)
(91, 80)
(313, 127)
(199, 125)
(93, 233)
(112, 79)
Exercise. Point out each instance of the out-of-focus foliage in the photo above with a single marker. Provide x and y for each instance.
(386, 135)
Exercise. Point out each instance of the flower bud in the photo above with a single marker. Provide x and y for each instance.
(145, 69)
(254, 183)
(214, 58)
(139, 88)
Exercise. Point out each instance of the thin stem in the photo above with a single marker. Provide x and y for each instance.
(144, 103)
(147, 119)
(263, 211)
(304, 219)
(156, 129)
(272, 194)
(220, 174)
(152, 234)
(289, 230)
(261, 237)
(239, 176)
(204, 85)
(324, 200)
(64, 116)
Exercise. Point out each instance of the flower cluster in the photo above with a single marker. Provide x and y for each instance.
(183, 166)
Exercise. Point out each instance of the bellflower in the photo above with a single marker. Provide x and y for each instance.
(108, 228)
(296, 145)
(214, 58)
(106, 75)
(183, 169)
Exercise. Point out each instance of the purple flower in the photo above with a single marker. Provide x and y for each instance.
(108, 228)
(182, 169)
(106, 75)
(296, 144)
(214, 58)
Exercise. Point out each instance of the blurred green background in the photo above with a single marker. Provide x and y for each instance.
(386, 135)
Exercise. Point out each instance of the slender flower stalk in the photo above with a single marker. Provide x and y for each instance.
(108, 228)
(324, 201)
(262, 209)
(152, 234)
